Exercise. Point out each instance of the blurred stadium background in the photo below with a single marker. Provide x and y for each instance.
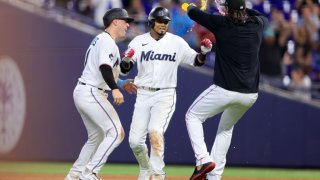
(42, 45)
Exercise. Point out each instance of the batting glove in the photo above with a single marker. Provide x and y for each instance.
(127, 56)
(206, 46)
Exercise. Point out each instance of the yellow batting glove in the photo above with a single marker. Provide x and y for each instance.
(185, 6)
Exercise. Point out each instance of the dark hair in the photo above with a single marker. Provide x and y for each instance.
(236, 16)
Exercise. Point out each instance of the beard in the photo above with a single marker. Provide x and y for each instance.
(161, 33)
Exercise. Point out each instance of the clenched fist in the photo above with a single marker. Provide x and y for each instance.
(206, 46)
(127, 56)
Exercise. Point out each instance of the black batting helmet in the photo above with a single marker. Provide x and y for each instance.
(158, 13)
(116, 13)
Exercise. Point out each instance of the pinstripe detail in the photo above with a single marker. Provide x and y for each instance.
(113, 125)
(192, 105)
(167, 119)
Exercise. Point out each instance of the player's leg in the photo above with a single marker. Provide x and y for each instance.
(82, 97)
(88, 149)
(110, 126)
(209, 103)
(161, 113)
(242, 102)
(138, 132)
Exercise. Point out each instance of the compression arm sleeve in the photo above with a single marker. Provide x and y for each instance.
(107, 75)
(200, 59)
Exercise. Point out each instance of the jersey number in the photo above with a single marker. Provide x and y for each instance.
(93, 43)
(87, 54)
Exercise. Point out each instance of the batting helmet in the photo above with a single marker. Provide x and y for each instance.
(158, 13)
(115, 13)
(235, 4)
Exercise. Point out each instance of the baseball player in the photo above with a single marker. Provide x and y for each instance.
(236, 77)
(157, 54)
(100, 74)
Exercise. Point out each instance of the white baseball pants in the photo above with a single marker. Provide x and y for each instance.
(152, 114)
(213, 101)
(103, 126)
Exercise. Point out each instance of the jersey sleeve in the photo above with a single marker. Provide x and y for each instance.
(107, 53)
(209, 21)
(133, 45)
(188, 54)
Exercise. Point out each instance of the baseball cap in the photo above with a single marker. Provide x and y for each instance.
(116, 13)
(235, 4)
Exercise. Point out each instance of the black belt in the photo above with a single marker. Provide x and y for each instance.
(153, 89)
(82, 83)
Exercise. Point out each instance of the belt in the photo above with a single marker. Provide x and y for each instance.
(82, 83)
(153, 89)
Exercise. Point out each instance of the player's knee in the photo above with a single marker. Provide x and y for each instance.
(96, 137)
(191, 117)
(135, 143)
(121, 135)
(188, 116)
(118, 134)
(157, 142)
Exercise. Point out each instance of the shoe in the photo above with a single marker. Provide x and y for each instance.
(201, 171)
(72, 175)
(87, 175)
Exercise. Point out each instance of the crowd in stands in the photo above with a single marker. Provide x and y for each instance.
(290, 52)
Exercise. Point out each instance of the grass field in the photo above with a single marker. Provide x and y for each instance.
(172, 170)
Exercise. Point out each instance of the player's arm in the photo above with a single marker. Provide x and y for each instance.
(206, 46)
(128, 85)
(209, 21)
(107, 75)
(127, 63)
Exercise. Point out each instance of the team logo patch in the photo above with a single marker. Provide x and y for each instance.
(12, 104)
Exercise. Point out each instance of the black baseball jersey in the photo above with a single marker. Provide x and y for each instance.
(237, 66)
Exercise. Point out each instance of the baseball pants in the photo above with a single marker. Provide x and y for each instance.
(213, 101)
(103, 126)
(152, 114)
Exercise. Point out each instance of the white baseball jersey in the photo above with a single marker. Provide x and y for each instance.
(158, 61)
(101, 120)
(102, 50)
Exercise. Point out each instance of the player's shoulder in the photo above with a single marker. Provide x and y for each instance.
(174, 38)
(105, 36)
(139, 39)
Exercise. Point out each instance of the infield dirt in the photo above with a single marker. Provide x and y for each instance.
(12, 176)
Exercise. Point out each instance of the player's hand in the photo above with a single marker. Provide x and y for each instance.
(185, 6)
(206, 46)
(117, 97)
(129, 86)
(127, 55)
(221, 9)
